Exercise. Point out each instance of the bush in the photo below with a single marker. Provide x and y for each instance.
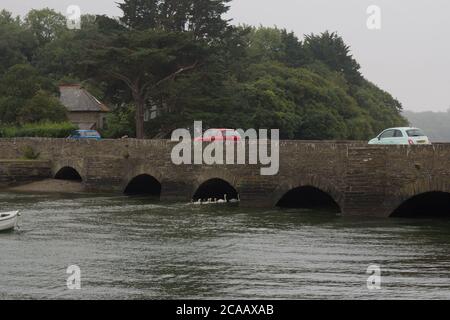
(43, 107)
(30, 154)
(45, 130)
(119, 123)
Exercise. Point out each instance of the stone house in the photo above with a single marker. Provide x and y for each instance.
(83, 108)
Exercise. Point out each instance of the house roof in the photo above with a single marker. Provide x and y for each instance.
(86, 125)
(77, 99)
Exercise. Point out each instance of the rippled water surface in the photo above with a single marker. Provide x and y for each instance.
(131, 248)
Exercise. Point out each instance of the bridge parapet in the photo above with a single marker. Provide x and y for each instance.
(362, 179)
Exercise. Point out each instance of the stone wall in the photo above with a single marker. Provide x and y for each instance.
(16, 172)
(362, 179)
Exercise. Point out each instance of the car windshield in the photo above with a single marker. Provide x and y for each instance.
(415, 133)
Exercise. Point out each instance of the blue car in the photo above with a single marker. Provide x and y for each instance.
(85, 134)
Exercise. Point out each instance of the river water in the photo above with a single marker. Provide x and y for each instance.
(133, 248)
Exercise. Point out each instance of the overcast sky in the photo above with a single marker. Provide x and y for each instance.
(409, 56)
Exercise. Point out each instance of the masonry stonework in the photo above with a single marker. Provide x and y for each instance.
(362, 179)
(16, 172)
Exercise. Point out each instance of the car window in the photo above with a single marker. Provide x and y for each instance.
(415, 133)
(387, 134)
(231, 133)
(398, 134)
(212, 133)
(89, 134)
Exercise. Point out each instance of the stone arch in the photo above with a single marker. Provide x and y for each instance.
(215, 187)
(311, 181)
(425, 205)
(214, 174)
(143, 184)
(134, 170)
(425, 197)
(68, 172)
(309, 197)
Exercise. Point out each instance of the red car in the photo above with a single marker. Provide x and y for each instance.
(219, 135)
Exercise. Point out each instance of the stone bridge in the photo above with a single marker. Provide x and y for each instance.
(350, 177)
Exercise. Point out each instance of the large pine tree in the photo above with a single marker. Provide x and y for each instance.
(202, 17)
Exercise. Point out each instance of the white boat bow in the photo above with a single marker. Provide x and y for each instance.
(9, 220)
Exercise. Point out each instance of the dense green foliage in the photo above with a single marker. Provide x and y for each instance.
(120, 122)
(26, 95)
(201, 17)
(44, 129)
(185, 62)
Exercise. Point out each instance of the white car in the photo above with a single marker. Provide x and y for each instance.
(406, 136)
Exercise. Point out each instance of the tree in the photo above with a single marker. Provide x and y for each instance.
(119, 122)
(294, 54)
(23, 81)
(46, 24)
(182, 57)
(144, 61)
(382, 110)
(140, 14)
(64, 55)
(265, 79)
(201, 17)
(17, 44)
(26, 96)
(42, 107)
(265, 44)
(331, 49)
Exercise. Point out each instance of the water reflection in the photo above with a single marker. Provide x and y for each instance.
(133, 248)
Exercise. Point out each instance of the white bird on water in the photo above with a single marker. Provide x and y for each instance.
(216, 201)
(236, 200)
(224, 200)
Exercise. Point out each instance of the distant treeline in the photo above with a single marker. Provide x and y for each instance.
(165, 63)
(435, 124)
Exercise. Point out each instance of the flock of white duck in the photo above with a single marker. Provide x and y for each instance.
(9, 220)
(216, 201)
